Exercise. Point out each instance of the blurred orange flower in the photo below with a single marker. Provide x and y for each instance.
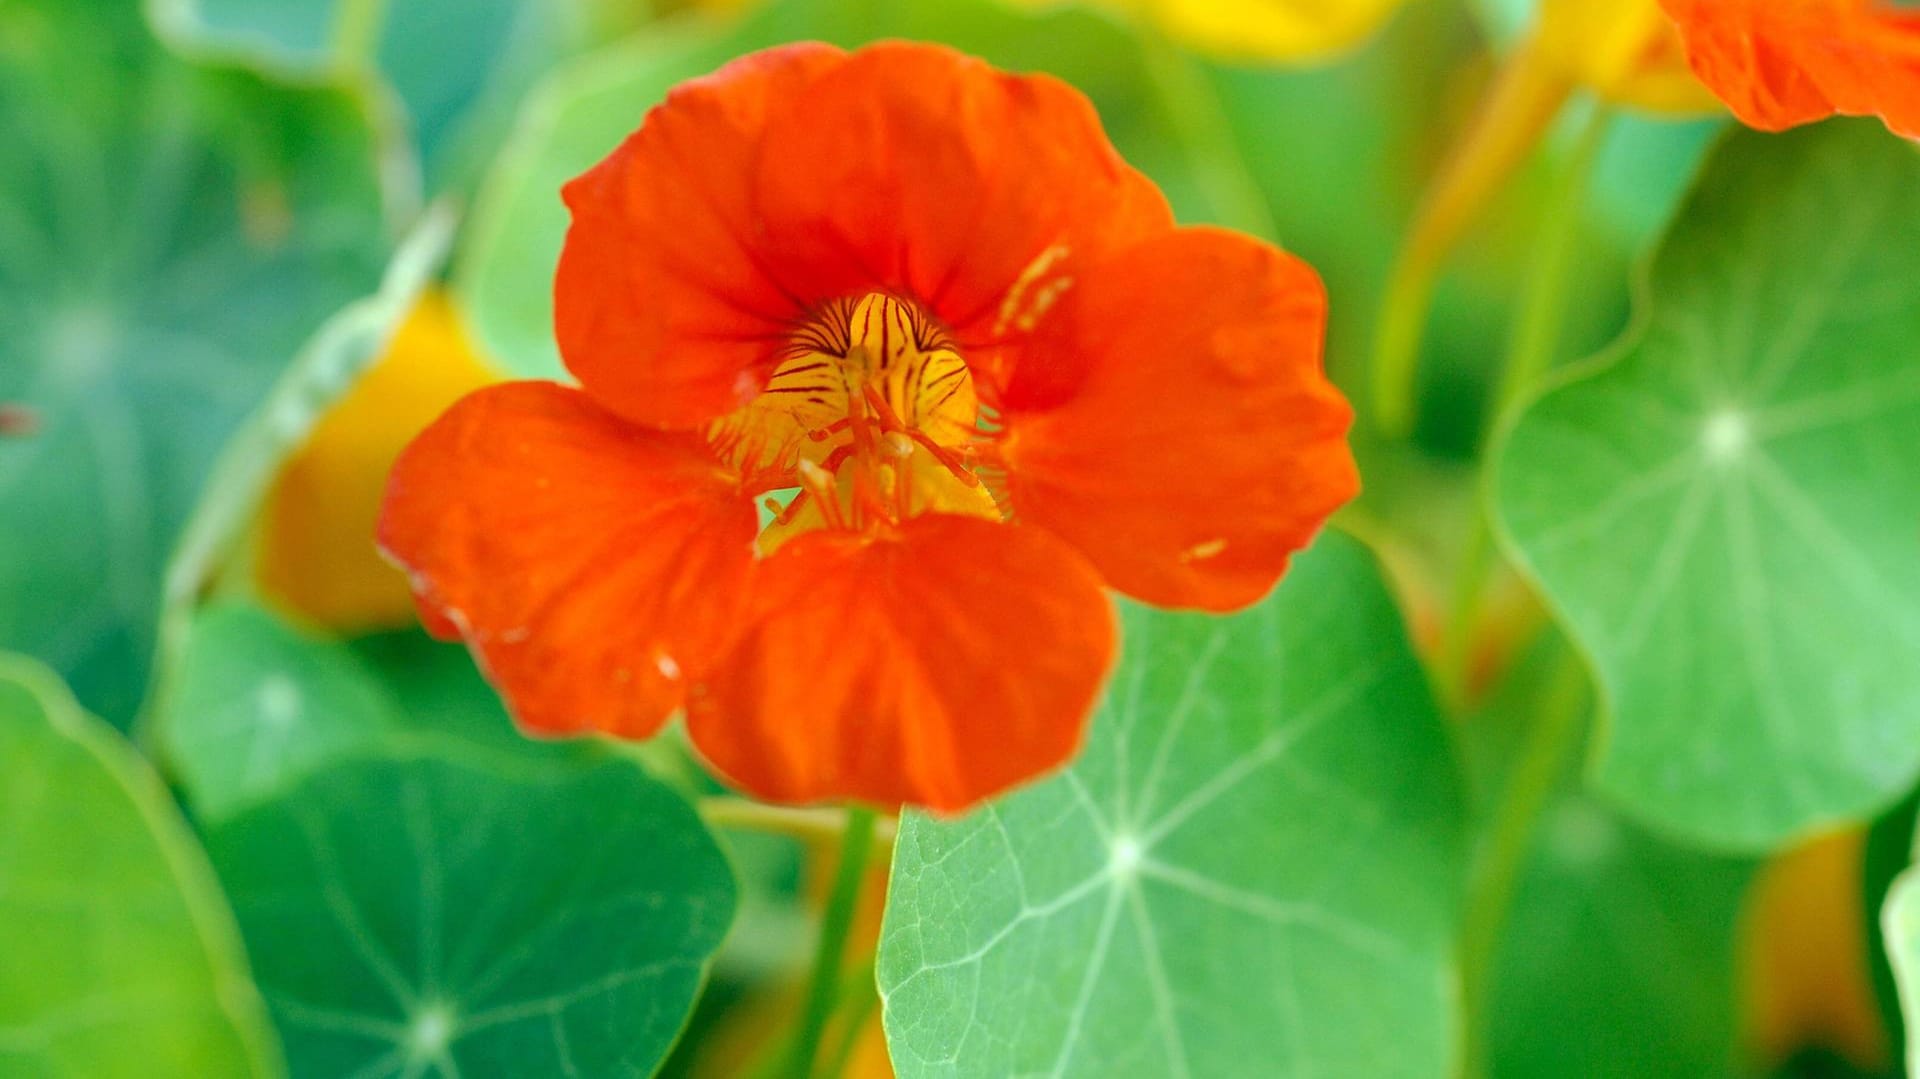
(931, 297)
(1807, 962)
(316, 554)
(1780, 63)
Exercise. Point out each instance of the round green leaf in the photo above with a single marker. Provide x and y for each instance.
(1250, 870)
(256, 702)
(1723, 512)
(172, 233)
(1616, 951)
(1618, 956)
(121, 959)
(417, 915)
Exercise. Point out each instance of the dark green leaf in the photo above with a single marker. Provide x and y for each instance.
(415, 915)
(172, 234)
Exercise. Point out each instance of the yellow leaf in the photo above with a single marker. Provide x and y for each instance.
(1627, 51)
(1804, 943)
(316, 554)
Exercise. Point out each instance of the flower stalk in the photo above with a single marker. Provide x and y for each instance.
(823, 990)
(1525, 98)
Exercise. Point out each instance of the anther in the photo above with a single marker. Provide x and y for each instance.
(820, 482)
(897, 445)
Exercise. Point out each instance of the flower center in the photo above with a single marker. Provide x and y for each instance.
(871, 413)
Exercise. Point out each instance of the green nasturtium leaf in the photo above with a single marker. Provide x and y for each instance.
(121, 960)
(1250, 870)
(415, 915)
(1723, 512)
(583, 111)
(257, 702)
(171, 234)
(1619, 954)
(1615, 955)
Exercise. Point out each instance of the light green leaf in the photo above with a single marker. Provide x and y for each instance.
(121, 958)
(1250, 870)
(256, 703)
(1723, 511)
(171, 234)
(583, 111)
(415, 915)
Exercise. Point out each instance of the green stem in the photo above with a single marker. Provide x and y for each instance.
(1508, 839)
(1530, 352)
(726, 811)
(1519, 108)
(841, 1052)
(1198, 114)
(823, 992)
(356, 33)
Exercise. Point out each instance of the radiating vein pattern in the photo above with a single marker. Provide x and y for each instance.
(1207, 892)
(1727, 516)
(421, 917)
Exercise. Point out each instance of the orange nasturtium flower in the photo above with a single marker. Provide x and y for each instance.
(1781, 63)
(931, 297)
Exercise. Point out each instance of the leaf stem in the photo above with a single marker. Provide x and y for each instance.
(1195, 108)
(1530, 353)
(1522, 103)
(356, 34)
(727, 811)
(1506, 841)
(840, 1053)
(823, 991)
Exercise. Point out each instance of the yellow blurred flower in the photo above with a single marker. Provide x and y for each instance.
(1287, 31)
(316, 554)
(1806, 966)
(1626, 51)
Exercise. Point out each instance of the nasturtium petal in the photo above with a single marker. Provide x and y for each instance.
(580, 113)
(122, 960)
(174, 233)
(255, 702)
(1251, 869)
(416, 913)
(1722, 511)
